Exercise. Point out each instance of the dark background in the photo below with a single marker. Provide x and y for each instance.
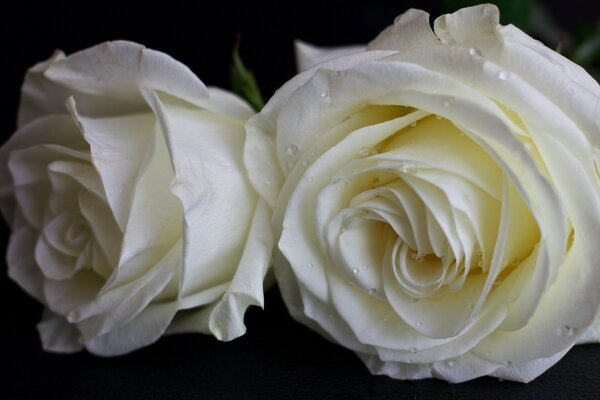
(277, 358)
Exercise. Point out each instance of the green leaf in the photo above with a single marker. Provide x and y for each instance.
(516, 12)
(243, 82)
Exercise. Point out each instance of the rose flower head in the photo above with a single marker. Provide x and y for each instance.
(437, 198)
(130, 207)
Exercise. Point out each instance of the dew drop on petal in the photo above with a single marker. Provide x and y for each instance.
(305, 163)
(324, 93)
(438, 117)
(372, 291)
(474, 51)
(291, 150)
(413, 124)
(364, 151)
(497, 281)
(355, 271)
(451, 363)
(365, 266)
(503, 75)
(419, 323)
(310, 265)
(446, 103)
(571, 331)
(413, 350)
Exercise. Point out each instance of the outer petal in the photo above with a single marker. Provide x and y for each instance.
(246, 289)
(307, 55)
(58, 335)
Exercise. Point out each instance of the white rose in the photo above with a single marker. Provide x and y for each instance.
(131, 203)
(440, 199)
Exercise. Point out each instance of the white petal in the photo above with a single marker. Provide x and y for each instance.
(117, 70)
(592, 333)
(216, 197)
(145, 329)
(246, 289)
(410, 30)
(22, 267)
(529, 370)
(58, 335)
(469, 26)
(118, 147)
(115, 307)
(307, 55)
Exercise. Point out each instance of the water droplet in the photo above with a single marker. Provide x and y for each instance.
(438, 117)
(268, 182)
(413, 124)
(259, 147)
(325, 93)
(372, 291)
(355, 271)
(451, 363)
(571, 330)
(419, 323)
(347, 181)
(310, 265)
(291, 150)
(305, 163)
(365, 267)
(446, 103)
(413, 350)
(364, 151)
(497, 281)
(480, 263)
(503, 75)
(473, 51)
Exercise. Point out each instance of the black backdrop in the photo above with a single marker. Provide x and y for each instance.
(277, 358)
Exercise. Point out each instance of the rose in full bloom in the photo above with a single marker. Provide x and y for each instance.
(438, 198)
(130, 208)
